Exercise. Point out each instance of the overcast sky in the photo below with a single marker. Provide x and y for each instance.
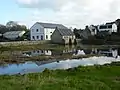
(72, 13)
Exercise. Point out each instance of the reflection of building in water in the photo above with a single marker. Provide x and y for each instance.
(115, 53)
(119, 51)
(65, 51)
(106, 52)
(69, 51)
(109, 52)
(41, 52)
(79, 52)
(88, 51)
(38, 52)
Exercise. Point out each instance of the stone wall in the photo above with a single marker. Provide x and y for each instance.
(15, 43)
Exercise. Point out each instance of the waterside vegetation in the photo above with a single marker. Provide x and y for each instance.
(97, 77)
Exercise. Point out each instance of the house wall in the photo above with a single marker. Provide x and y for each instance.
(107, 29)
(57, 38)
(114, 28)
(48, 33)
(93, 30)
(68, 38)
(37, 32)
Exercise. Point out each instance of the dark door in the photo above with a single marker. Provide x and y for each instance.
(41, 37)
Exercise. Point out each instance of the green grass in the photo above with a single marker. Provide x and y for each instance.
(105, 77)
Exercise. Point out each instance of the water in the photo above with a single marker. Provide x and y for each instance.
(109, 55)
(32, 67)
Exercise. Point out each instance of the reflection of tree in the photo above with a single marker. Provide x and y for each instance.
(39, 63)
(4, 66)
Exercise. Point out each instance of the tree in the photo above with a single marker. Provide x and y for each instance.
(76, 32)
(23, 27)
(11, 24)
(14, 26)
(3, 29)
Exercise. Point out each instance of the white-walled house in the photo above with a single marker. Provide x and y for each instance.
(93, 30)
(43, 31)
(108, 27)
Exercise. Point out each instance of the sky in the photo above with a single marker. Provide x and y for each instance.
(71, 13)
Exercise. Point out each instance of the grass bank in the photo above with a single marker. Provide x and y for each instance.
(105, 77)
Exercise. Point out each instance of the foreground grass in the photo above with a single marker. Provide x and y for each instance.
(105, 77)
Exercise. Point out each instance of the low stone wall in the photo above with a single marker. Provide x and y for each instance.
(16, 43)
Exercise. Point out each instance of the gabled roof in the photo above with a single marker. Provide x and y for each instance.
(12, 35)
(65, 32)
(110, 23)
(51, 25)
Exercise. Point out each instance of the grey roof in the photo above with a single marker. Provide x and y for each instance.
(110, 23)
(65, 32)
(51, 25)
(13, 33)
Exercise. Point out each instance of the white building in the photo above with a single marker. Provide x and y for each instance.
(93, 30)
(108, 27)
(43, 31)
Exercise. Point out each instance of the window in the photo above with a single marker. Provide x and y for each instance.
(33, 37)
(37, 30)
(46, 36)
(50, 32)
(32, 30)
(37, 37)
(103, 27)
(109, 26)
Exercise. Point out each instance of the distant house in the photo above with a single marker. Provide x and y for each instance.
(13, 35)
(93, 30)
(63, 36)
(43, 31)
(110, 27)
(87, 32)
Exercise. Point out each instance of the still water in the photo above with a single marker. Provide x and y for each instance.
(108, 55)
(31, 67)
